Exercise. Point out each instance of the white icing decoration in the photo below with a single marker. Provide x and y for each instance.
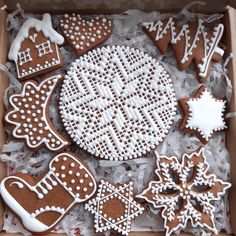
(78, 26)
(210, 46)
(11, 120)
(30, 223)
(122, 194)
(33, 37)
(44, 48)
(42, 188)
(206, 114)
(69, 185)
(45, 25)
(116, 109)
(24, 56)
(48, 208)
(184, 190)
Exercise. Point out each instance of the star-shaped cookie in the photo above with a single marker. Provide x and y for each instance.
(114, 207)
(203, 114)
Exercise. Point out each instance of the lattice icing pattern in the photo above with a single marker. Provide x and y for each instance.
(117, 102)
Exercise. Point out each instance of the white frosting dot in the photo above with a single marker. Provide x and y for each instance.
(92, 40)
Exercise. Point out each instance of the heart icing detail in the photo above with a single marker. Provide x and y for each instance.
(84, 34)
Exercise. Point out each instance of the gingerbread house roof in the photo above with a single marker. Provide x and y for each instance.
(44, 25)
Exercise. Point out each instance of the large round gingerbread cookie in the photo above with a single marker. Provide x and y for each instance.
(117, 102)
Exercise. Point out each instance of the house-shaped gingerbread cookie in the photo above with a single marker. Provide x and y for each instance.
(35, 49)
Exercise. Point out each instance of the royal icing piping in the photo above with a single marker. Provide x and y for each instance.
(28, 221)
(45, 25)
(210, 46)
(45, 185)
(30, 106)
(122, 194)
(117, 102)
(169, 191)
(59, 210)
(206, 114)
(84, 33)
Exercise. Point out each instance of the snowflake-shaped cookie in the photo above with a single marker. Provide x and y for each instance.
(117, 102)
(114, 207)
(185, 191)
(30, 115)
(202, 114)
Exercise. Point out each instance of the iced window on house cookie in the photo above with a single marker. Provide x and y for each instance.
(24, 56)
(44, 48)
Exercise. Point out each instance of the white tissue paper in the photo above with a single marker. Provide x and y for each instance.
(126, 31)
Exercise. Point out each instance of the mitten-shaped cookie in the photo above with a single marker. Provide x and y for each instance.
(42, 203)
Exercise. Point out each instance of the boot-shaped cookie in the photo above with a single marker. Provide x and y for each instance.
(42, 203)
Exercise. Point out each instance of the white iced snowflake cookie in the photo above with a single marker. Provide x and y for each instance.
(202, 114)
(35, 49)
(185, 191)
(117, 102)
(29, 115)
(114, 207)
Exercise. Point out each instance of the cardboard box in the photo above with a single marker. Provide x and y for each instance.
(119, 6)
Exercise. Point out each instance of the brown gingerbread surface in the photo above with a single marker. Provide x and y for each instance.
(43, 202)
(203, 114)
(85, 33)
(191, 42)
(29, 115)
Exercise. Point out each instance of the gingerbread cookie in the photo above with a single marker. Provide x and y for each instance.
(202, 114)
(117, 102)
(114, 207)
(190, 42)
(185, 191)
(35, 49)
(42, 203)
(30, 115)
(84, 34)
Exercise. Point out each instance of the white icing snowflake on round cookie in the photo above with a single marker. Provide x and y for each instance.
(114, 207)
(117, 102)
(204, 115)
